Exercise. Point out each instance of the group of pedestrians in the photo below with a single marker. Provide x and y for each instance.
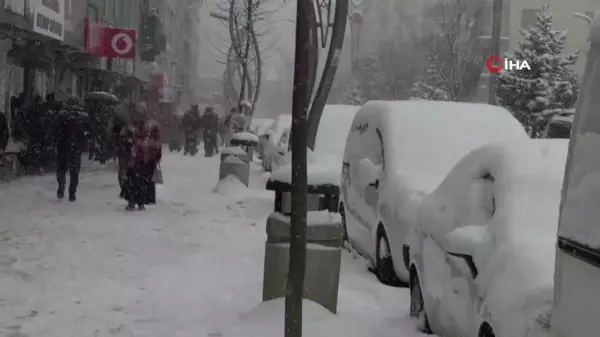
(138, 152)
(193, 123)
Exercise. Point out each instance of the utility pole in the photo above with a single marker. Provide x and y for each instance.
(496, 43)
(300, 101)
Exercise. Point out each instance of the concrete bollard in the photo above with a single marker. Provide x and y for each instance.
(323, 260)
(234, 161)
(235, 151)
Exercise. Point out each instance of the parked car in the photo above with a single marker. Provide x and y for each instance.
(559, 126)
(260, 127)
(331, 138)
(481, 257)
(275, 141)
(576, 305)
(397, 152)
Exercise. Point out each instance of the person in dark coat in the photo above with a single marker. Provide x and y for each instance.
(210, 125)
(119, 139)
(4, 132)
(72, 129)
(145, 153)
(190, 126)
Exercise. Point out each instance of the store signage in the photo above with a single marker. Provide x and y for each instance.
(49, 18)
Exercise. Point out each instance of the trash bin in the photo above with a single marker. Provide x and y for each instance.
(235, 161)
(323, 189)
(323, 259)
(247, 140)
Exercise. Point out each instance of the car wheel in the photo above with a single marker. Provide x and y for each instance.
(486, 331)
(344, 226)
(417, 306)
(384, 264)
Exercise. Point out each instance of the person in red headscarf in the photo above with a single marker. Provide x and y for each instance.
(145, 153)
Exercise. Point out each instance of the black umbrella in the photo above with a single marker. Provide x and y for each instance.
(103, 96)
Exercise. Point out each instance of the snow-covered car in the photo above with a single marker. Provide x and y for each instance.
(396, 152)
(331, 138)
(274, 144)
(260, 126)
(482, 252)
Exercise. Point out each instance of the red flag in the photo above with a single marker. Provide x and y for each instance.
(110, 42)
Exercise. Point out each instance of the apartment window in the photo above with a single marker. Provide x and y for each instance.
(125, 12)
(119, 10)
(109, 10)
(93, 13)
(488, 18)
(528, 17)
(68, 8)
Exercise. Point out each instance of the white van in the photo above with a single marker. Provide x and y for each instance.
(397, 152)
(577, 273)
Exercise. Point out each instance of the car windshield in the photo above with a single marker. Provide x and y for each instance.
(559, 130)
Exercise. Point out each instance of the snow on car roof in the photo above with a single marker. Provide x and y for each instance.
(261, 125)
(527, 178)
(429, 137)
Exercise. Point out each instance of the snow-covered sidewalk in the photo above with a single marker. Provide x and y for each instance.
(189, 266)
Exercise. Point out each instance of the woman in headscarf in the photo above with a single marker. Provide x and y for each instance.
(145, 153)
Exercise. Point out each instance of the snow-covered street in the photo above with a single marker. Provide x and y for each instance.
(189, 266)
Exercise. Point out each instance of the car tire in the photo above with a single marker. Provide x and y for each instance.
(384, 264)
(417, 306)
(342, 212)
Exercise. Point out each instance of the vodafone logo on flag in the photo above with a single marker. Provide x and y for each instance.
(110, 42)
(121, 43)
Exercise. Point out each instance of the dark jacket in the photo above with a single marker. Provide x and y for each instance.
(144, 144)
(119, 134)
(190, 122)
(72, 130)
(3, 132)
(210, 122)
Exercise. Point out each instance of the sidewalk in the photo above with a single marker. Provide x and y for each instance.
(7, 171)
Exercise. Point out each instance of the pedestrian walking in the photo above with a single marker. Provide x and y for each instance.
(190, 126)
(210, 126)
(119, 136)
(145, 154)
(4, 132)
(72, 129)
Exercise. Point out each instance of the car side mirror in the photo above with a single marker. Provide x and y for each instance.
(368, 173)
(462, 242)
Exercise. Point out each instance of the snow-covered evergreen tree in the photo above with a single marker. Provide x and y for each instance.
(550, 85)
(431, 84)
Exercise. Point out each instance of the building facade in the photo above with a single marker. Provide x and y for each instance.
(42, 49)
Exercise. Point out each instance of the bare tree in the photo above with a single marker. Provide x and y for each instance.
(386, 74)
(247, 22)
(449, 40)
